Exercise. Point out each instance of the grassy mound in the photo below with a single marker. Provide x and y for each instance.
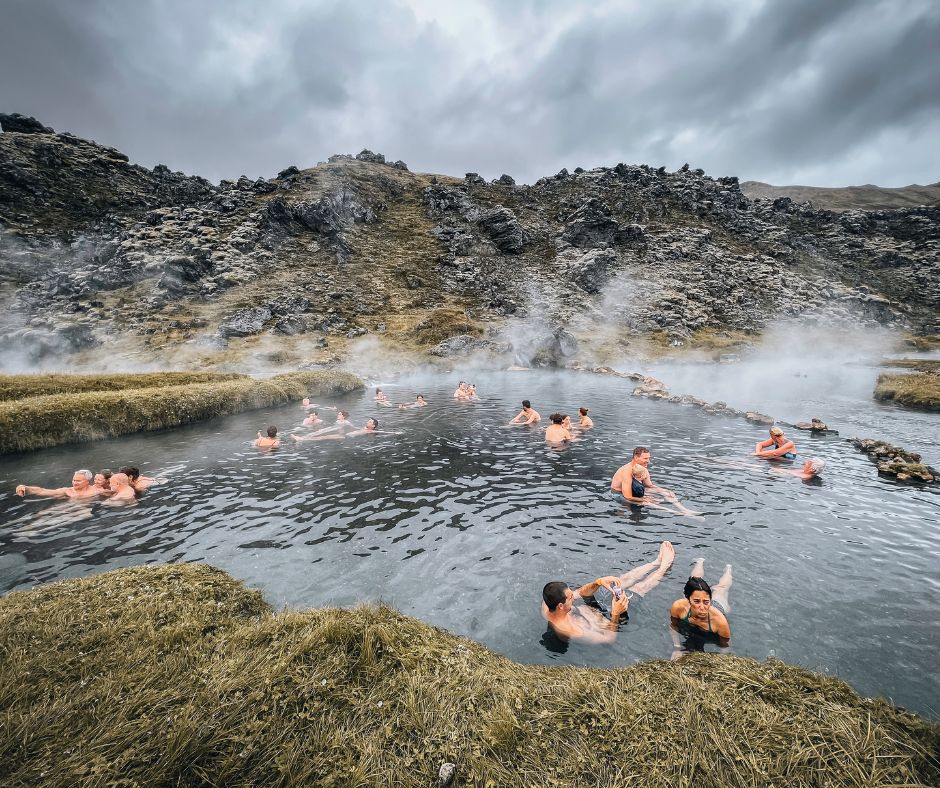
(179, 675)
(22, 386)
(37, 422)
(915, 390)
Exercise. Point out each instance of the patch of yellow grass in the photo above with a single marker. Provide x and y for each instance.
(178, 675)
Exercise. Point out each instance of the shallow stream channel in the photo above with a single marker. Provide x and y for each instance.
(454, 518)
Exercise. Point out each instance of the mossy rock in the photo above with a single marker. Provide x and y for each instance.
(920, 390)
(442, 324)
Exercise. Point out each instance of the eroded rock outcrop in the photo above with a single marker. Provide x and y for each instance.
(635, 249)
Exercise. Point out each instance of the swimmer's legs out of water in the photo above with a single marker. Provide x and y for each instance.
(636, 581)
(721, 589)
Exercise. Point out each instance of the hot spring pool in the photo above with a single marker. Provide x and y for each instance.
(460, 521)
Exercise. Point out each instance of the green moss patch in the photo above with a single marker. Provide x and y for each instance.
(915, 390)
(178, 675)
(40, 421)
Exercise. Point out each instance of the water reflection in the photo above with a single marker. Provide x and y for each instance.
(459, 520)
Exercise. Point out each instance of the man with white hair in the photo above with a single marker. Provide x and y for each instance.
(810, 470)
(81, 488)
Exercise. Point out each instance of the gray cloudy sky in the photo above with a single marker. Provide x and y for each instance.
(817, 92)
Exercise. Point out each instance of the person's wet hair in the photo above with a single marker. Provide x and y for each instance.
(345, 414)
(130, 471)
(583, 411)
(272, 431)
(526, 403)
(375, 423)
(694, 584)
(639, 450)
(554, 593)
(84, 472)
(106, 472)
(556, 418)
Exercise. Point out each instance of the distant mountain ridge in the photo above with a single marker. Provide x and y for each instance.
(102, 258)
(848, 198)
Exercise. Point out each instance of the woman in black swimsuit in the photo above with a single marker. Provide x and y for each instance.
(701, 616)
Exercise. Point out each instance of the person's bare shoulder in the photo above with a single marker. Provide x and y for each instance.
(565, 629)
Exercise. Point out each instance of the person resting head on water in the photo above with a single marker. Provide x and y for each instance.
(336, 433)
(138, 482)
(372, 425)
(81, 488)
(776, 447)
(269, 442)
(102, 479)
(121, 488)
(556, 431)
(312, 419)
(418, 403)
(810, 470)
(584, 422)
(570, 620)
(528, 414)
(306, 404)
(703, 609)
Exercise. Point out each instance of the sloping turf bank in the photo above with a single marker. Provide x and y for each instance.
(22, 386)
(36, 422)
(915, 390)
(178, 675)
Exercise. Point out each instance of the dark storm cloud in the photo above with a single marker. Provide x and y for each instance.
(820, 92)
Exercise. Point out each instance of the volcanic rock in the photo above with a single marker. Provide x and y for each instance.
(22, 124)
(503, 229)
(245, 322)
(367, 155)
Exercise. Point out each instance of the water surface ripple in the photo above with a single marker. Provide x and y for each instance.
(458, 520)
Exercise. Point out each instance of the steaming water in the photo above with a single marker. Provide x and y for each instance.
(459, 521)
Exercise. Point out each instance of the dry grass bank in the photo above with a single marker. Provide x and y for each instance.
(918, 364)
(915, 390)
(178, 675)
(37, 422)
(21, 386)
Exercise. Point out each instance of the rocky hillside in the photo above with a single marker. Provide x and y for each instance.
(99, 255)
(848, 198)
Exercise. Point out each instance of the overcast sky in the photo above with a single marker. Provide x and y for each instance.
(815, 92)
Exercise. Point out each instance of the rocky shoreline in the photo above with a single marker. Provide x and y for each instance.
(891, 460)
